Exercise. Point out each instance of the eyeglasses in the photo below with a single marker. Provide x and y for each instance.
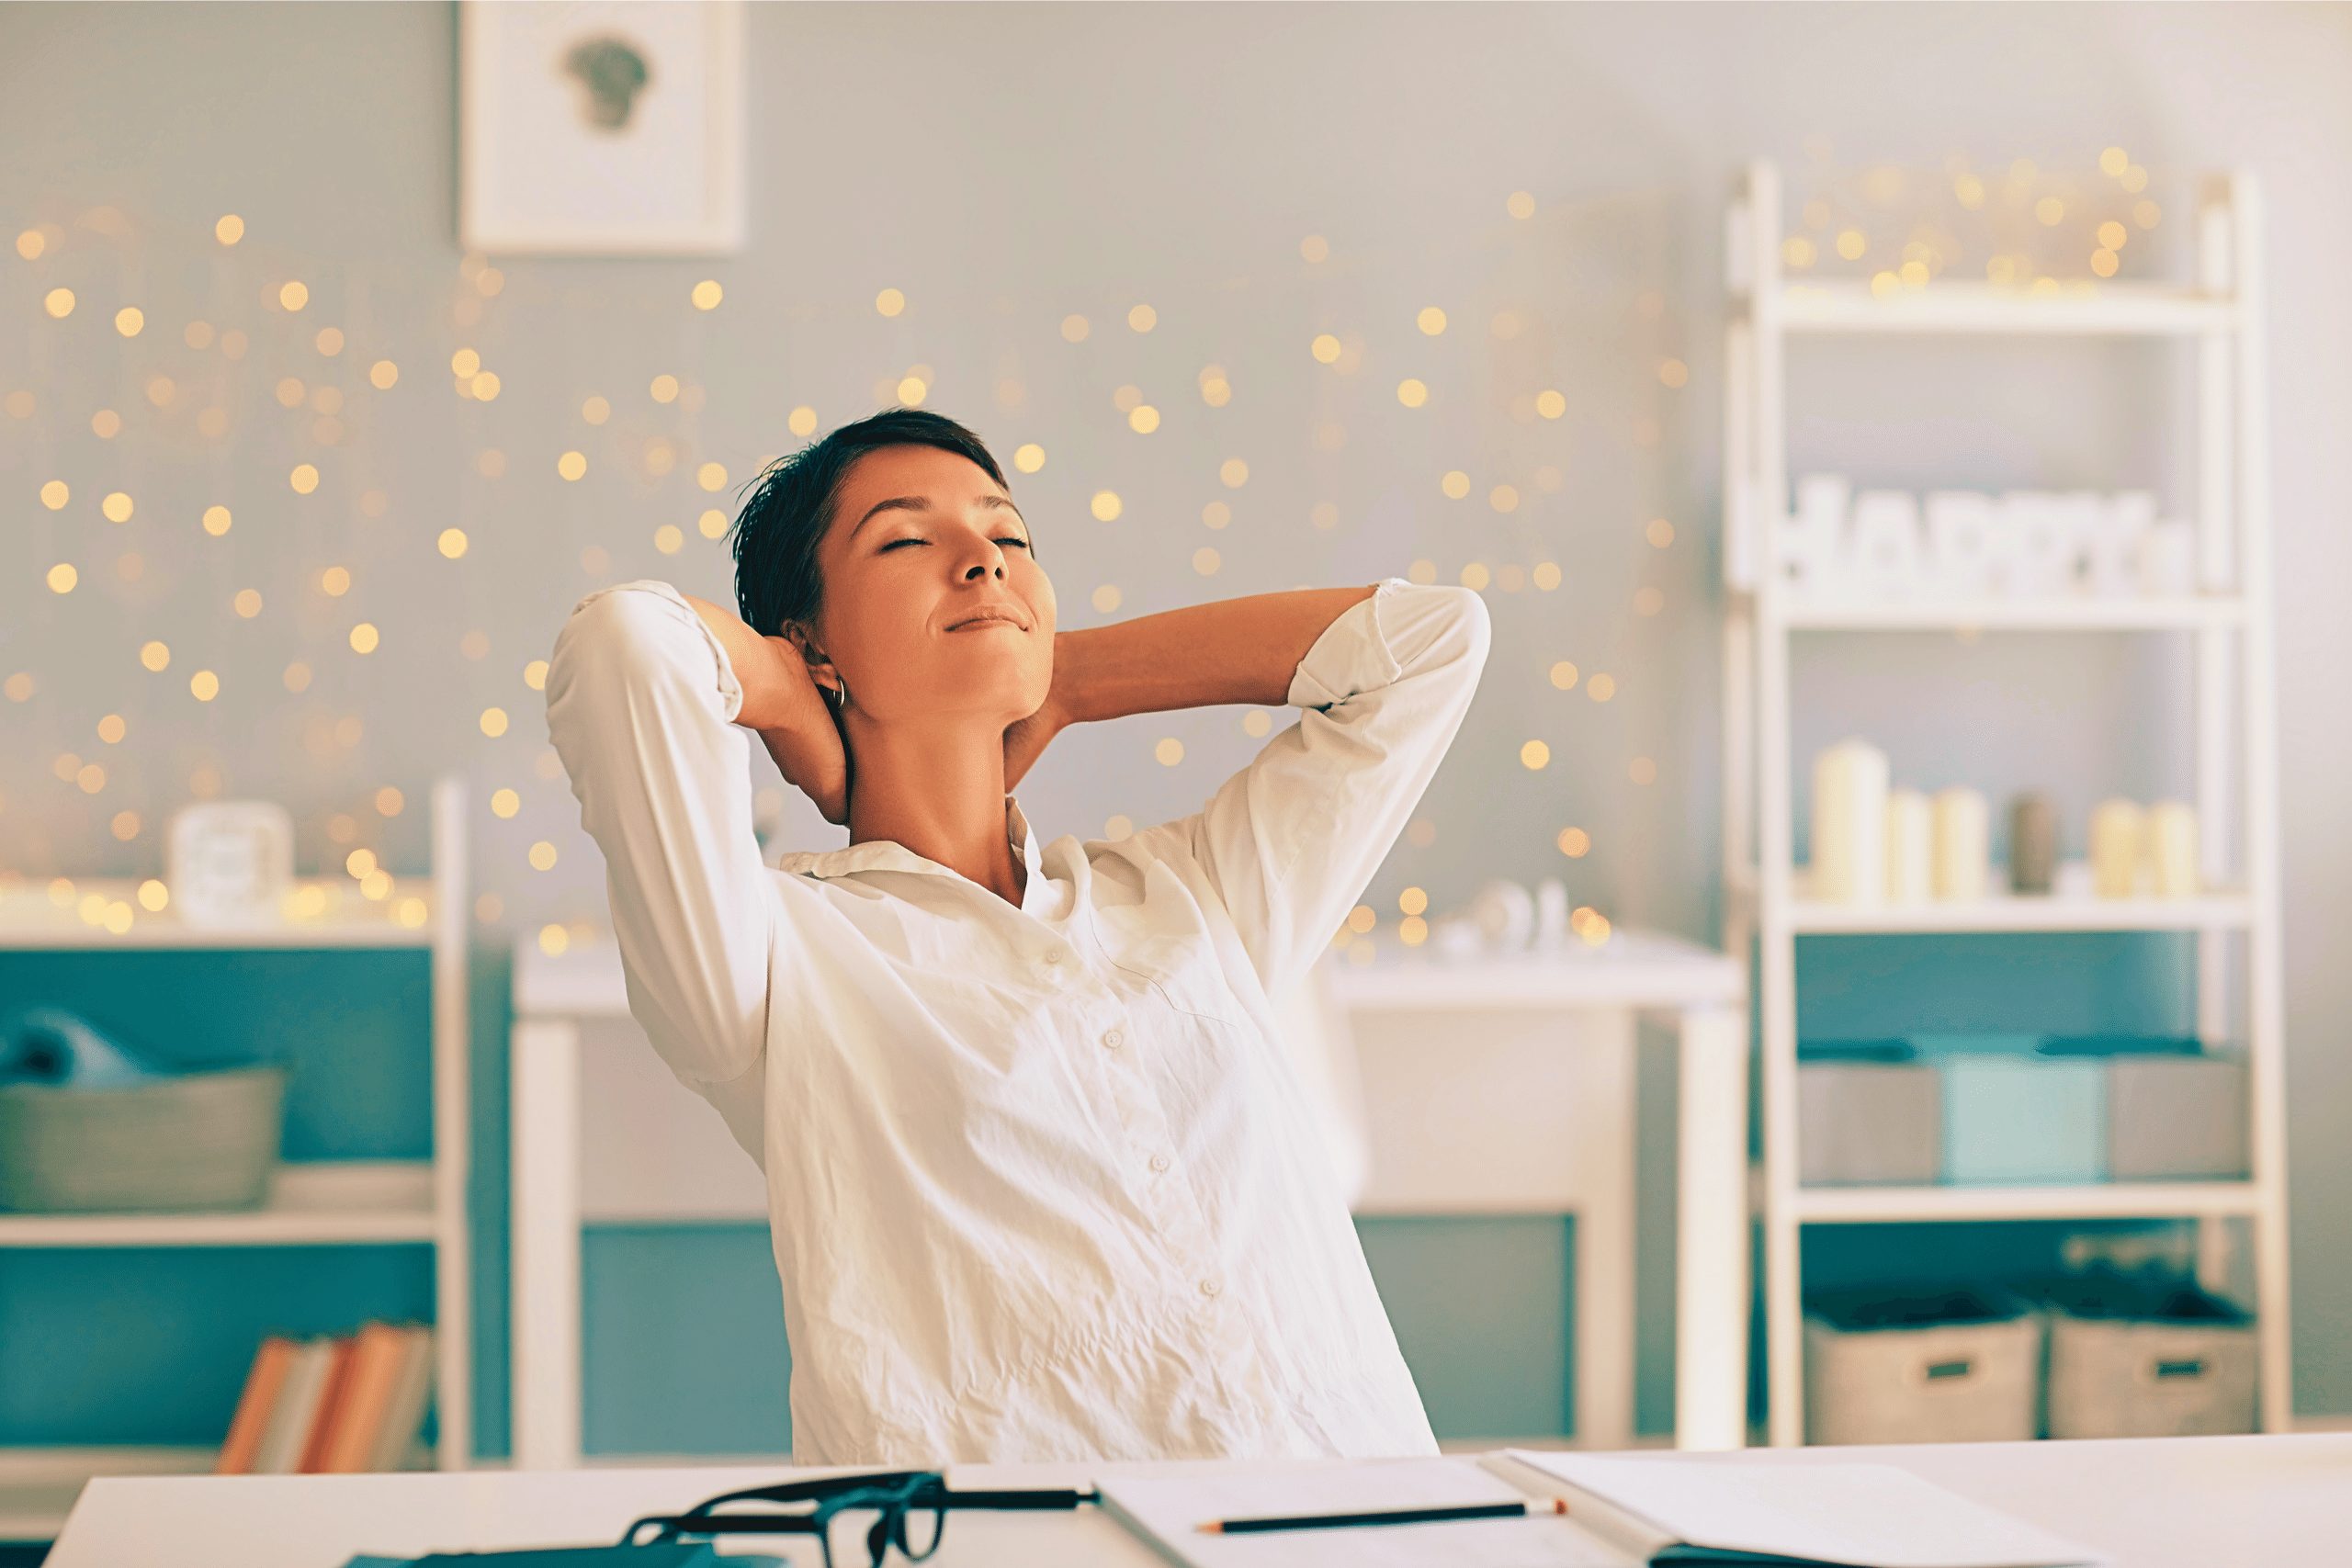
(911, 1511)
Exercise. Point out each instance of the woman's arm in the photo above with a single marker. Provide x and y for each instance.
(782, 704)
(638, 706)
(1235, 650)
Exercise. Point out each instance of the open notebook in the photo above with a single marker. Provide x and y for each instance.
(1621, 1512)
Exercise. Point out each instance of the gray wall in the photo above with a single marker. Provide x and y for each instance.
(1006, 165)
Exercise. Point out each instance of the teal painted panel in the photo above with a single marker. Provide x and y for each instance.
(1481, 1307)
(682, 1335)
(150, 1346)
(2044, 983)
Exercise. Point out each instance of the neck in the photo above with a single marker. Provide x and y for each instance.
(938, 790)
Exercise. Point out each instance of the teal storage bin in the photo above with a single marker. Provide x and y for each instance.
(2013, 1114)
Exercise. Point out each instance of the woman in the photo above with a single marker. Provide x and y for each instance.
(1042, 1181)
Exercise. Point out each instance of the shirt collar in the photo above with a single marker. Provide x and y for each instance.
(888, 854)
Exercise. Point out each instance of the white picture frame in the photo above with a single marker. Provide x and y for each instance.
(601, 127)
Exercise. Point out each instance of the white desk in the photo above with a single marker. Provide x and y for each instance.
(2166, 1503)
(1517, 1162)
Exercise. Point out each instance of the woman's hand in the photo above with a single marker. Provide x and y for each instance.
(785, 707)
(804, 738)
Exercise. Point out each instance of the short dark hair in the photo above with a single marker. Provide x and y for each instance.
(776, 534)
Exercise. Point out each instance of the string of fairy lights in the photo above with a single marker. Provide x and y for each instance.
(291, 404)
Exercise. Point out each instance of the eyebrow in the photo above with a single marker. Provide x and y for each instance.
(922, 503)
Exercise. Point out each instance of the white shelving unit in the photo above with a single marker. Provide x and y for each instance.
(2228, 614)
(311, 1202)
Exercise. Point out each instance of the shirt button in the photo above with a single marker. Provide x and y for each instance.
(1210, 1287)
(1160, 1162)
(1052, 956)
(1113, 1039)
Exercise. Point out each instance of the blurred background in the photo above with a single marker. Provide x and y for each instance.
(324, 396)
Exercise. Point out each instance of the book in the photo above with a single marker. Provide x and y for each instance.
(297, 1402)
(376, 1359)
(411, 1391)
(1724, 1510)
(263, 1383)
(336, 1389)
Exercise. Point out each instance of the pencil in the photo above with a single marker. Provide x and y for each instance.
(1392, 1517)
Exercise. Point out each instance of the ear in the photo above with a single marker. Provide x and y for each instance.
(821, 669)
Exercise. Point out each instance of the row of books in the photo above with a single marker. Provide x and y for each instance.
(333, 1403)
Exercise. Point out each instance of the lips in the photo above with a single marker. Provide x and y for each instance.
(986, 618)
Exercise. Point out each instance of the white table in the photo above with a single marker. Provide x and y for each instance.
(2164, 1503)
(682, 1172)
(1698, 993)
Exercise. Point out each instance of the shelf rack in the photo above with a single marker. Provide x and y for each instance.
(2236, 790)
(309, 1203)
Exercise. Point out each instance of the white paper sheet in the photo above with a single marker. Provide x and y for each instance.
(1874, 1515)
(1166, 1513)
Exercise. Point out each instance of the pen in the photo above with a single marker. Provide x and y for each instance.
(1391, 1516)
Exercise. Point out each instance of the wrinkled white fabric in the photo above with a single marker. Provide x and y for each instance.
(1043, 1181)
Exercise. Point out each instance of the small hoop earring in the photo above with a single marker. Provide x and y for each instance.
(840, 695)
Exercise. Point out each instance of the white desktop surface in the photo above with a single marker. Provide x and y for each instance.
(2168, 1503)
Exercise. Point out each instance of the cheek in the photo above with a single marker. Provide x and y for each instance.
(1041, 599)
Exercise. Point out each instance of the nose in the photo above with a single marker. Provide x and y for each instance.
(988, 558)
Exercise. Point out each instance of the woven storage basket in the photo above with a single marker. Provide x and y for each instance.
(1921, 1366)
(2134, 1360)
(203, 1139)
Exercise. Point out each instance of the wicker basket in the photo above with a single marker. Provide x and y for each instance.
(2128, 1360)
(203, 1139)
(1921, 1366)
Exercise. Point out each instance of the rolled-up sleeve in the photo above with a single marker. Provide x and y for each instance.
(641, 699)
(1291, 840)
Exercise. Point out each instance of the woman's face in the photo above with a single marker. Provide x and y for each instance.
(922, 540)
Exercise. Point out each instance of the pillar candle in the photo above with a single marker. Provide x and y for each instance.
(1850, 824)
(2172, 849)
(1959, 859)
(1909, 847)
(2033, 844)
(2116, 831)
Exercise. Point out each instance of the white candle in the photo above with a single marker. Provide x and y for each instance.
(2117, 828)
(1850, 824)
(1962, 844)
(1910, 855)
(2172, 847)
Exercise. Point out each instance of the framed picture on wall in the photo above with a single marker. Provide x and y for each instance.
(601, 127)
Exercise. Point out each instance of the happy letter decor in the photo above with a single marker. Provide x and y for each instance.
(1882, 543)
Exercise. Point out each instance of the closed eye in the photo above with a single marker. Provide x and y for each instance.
(1008, 539)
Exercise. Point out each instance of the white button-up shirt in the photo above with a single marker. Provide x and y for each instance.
(1044, 1181)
